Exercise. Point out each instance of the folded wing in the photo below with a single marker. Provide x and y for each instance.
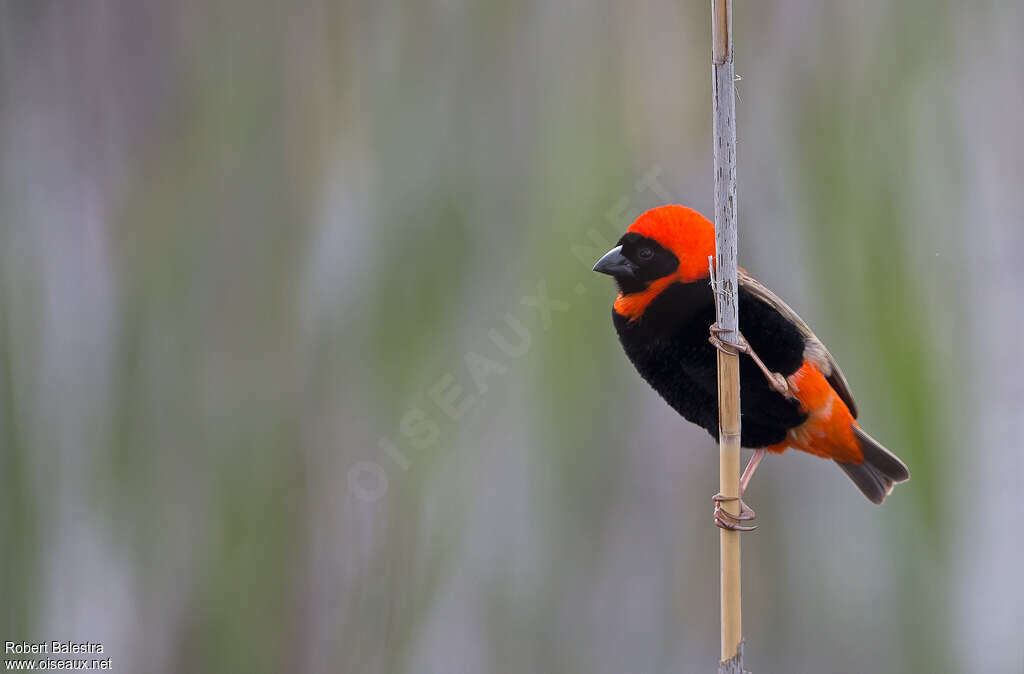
(815, 350)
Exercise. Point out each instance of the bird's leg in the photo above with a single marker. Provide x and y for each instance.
(775, 379)
(725, 519)
(752, 465)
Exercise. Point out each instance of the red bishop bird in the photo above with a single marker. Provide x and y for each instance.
(793, 393)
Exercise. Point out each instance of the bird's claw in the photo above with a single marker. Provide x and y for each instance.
(775, 379)
(731, 348)
(726, 520)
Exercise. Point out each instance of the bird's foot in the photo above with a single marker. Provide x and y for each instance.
(726, 520)
(731, 348)
(775, 379)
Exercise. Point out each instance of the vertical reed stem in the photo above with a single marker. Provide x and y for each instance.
(724, 107)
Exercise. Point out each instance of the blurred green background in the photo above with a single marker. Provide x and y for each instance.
(303, 367)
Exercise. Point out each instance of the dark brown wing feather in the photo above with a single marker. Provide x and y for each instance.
(815, 350)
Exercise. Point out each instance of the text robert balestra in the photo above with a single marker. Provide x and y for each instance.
(27, 647)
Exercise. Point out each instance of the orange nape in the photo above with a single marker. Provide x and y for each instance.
(828, 431)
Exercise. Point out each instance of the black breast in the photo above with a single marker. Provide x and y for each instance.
(669, 347)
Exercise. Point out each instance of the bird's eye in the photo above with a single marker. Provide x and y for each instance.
(645, 253)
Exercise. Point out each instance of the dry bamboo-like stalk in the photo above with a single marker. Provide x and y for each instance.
(724, 108)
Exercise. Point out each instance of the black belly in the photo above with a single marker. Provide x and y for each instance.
(669, 347)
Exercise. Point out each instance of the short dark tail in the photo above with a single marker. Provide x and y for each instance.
(880, 470)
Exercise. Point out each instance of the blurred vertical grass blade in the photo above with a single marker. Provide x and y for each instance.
(19, 563)
(855, 158)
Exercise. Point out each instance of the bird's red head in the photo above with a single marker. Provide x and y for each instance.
(665, 245)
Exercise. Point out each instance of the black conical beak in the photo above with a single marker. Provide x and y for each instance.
(614, 263)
